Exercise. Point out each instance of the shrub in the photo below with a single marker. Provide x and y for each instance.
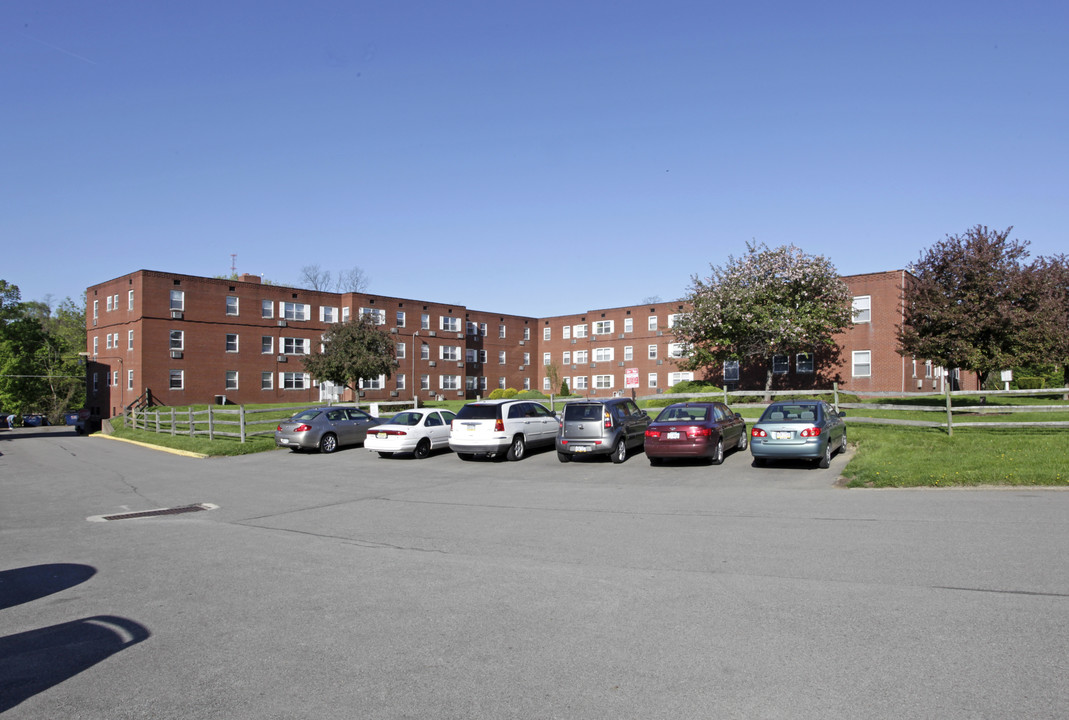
(503, 394)
(564, 388)
(1030, 383)
(694, 386)
(531, 395)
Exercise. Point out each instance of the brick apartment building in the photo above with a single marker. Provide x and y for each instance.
(188, 339)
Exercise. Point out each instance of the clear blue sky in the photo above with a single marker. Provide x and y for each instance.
(534, 158)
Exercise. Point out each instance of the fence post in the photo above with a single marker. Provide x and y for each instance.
(241, 419)
(172, 422)
(211, 424)
(192, 427)
(835, 395)
(157, 414)
(950, 420)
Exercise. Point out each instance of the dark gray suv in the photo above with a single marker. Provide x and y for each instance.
(601, 427)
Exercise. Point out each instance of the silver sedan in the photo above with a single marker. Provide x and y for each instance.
(325, 428)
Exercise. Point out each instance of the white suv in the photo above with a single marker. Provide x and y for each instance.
(491, 427)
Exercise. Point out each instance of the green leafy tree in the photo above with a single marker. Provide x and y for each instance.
(353, 351)
(767, 302)
(553, 374)
(971, 302)
(1047, 333)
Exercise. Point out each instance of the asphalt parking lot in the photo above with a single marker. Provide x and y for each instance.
(346, 585)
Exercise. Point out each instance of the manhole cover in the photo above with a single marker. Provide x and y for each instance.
(154, 513)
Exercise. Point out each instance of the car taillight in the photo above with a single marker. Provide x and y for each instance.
(653, 433)
(696, 432)
(608, 422)
(394, 432)
(758, 432)
(499, 425)
(301, 428)
(810, 432)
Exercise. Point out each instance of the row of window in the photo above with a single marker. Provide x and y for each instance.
(608, 354)
(605, 327)
(111, 302)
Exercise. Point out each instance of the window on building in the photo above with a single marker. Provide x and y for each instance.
(629, 325)
(862, 308)
(927, 368)
(603, 327)
(401, 382)
(527, 335)
(545, 384)
(482, 329)
(447, 323)
(603, 382)
(400, 318)
(780, 365)
(678, 377)
(731, 371)
(295, 311)
(449, 352)
(377, 316)
(400, 351)
(501, 383)
(580, 331)
(629, 353)
(471, 356)
(129, 339)
(652, 352)
(547, 333)
(178, 340)
(425, 322)
(108, 307)
(345, 314)
(604, 354)
(861, 363)
(566, 332)
(178, 300)
(231, 342)
(115, 304)
(296, 346)
(177, 379)
(672, 319)
(231, 305)
(107, 341)
(231, 379)
(469, 382)
(527, 358)
(424, 351)
(96, 382)
(425, 382)
(501, 331)
(482, 356)
(295, 381)
(267, 381)
(651, 380)
(328, 314)
(527, 383)
(471, 329)
(267, 344)
(375, 383)
(482, 382)
(580, 382)
(651, 324)
(267, 310)
(96, 345)
(129, 379)
(449, 382)
(582, 357)
(675, 350)
(803, 363)
(130, 300)
(96, 309)
(547, 358)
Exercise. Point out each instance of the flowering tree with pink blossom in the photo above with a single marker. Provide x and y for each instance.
(768, 302)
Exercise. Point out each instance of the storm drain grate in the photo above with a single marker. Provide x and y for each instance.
(155, 513)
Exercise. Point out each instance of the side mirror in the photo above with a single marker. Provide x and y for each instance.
(842, 413)
(738, 415)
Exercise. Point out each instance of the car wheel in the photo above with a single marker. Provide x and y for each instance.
(744, 440)
(328, 443)
(825, 459)
(517, 449)
(423, 449)
(465, 456)
(718, 454)
(564, 457)
(619, 453)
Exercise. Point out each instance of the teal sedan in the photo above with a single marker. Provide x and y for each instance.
(798, 430)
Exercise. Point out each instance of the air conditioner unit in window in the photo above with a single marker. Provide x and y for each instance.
(621, 363)
(176, 354)
(432, 363)
(282, 323)
(460, 335)
(433, 333)
(460, 364)
(282, 358)
(177, 315)
(523, 342)
(393, 331)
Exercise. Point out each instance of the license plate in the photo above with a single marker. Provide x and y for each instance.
(580, 448)
(380, 436)
(672, 435)
(782, 435)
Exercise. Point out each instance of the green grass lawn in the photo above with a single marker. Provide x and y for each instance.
(911, 457)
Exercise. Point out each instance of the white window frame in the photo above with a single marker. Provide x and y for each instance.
(425, 321)
(603, 382)
(676, 350)
(129, 339)
(449, 353)
(604, 327)
(328, 314)
(294, 381)
(651, 352)
(579, 331)
(231, 380)
(651, 323)
(731, 371)
(547, 358)
(181, 337)
(604, 354)
(236, 341)
(449, 382)
(651, 380)
(400, 318)
(581, 357)
(181, 377)
(178, 300)
(130, 300)
(566, 357)
(295, 346)
(629, 353)
(580, 383)
(267, 309)
(781, 364)
(267, 381)
(547, 333)
(294, 312)
(233, 305)
(401, 350)
(861, 306)
(804, 363)
(861, 363)
(566, 332)
(448, 323)
(267, 344)
(129, 379)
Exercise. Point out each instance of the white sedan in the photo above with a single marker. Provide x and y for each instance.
(413, 431)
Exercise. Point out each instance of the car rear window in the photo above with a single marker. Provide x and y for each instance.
(790, 413)
(479, 412)
(307, 415)
(576, 413)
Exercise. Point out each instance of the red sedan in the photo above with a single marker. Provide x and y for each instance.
(695, 430)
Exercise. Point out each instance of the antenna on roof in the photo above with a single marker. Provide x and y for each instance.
(233, 264)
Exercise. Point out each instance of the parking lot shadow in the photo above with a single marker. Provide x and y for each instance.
(34, 661)
(21, 585)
